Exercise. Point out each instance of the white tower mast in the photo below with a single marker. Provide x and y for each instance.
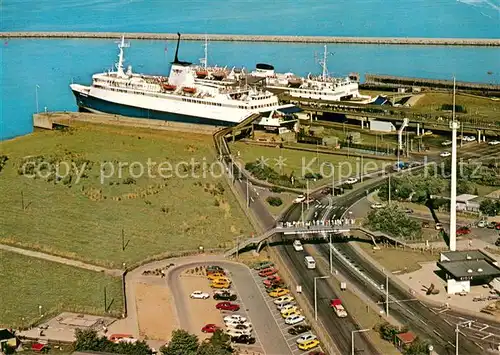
(454, 125)
(204, 60)
(323, 63)
(119, 65)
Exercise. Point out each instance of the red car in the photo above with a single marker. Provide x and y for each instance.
(268, 272)
(272, 280)
(463, 231)
(227, 306)
(497, 227)
(316, 353)
(209, 328)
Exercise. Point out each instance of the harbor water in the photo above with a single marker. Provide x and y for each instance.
(36, 74)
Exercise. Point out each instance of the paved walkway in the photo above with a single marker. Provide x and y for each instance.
(60, 260)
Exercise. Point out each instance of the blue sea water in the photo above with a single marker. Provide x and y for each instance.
(53, 64)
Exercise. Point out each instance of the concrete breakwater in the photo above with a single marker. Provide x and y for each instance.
(489, 42)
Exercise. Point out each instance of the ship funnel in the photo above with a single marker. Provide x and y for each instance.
(176, 59)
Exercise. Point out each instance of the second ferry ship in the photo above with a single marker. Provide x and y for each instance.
(179, 97)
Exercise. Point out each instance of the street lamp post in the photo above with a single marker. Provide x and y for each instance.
(330, 247)
(316, 295)
(248, 195)
(352, 337)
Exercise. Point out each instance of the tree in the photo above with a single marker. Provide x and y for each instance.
(388, 331)
(221, 341)
(418, 347)
(182, 343)
(394, 221)
(489, 207)
(88, 340)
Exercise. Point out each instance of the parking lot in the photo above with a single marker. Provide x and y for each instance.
(252, 306)
(290, 340)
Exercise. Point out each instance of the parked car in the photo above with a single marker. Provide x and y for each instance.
(225, 295)
(214, 268)
(497, 226)
(297, 245)
(211, 272)
(284, 307)
(283, 300)
(310, 344)
(463, 231)
(228, 306)
(446, 143)
(272, 280)
(234, 317)
(445, 154)
(243, 339)
(493, 142)
(233, 333)
(244, 328)
(219, 284)
(210, 328)
(279, 292)
(268, 272)
(306, 337)
(316, 353)
(215, 275)
(290, 312)
(200, 295)
(497, 243)
(377, 205)
(482, 223)
(438, 226)
(294, 319)
(298, 329)
(263, 265)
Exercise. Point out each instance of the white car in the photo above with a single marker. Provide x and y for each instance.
(494, 142)
(306, 337)
(245, 327)
(299, 199)
(351, 181)
(446, 143)
(297, 245)
(234, 318)
(470, 138)
(445, 154)
(377, 206)
(233, 333)
(283, 299)
(200, 295)
(294, 319)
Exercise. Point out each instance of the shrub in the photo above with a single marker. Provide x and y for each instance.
(274, 201)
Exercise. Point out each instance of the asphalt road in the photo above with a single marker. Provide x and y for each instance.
(249, 295)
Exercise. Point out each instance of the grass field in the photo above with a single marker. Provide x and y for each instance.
(28, 283)
(393, 259)
(299, 162)
(85, 219)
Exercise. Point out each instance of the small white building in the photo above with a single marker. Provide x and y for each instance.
(468, 203)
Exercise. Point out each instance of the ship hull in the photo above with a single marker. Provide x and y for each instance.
(90, 103)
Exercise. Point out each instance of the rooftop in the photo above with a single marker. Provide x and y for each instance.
(6, 334)
(469, 268)
(465, 197)
(406, 338)
(465, 255)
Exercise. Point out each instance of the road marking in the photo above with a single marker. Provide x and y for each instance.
(266, 297)
(257, 338)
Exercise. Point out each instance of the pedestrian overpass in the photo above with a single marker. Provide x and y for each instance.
(294, 230)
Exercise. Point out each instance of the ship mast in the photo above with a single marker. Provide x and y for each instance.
(121, 59)
(205, 59)
(323, 64)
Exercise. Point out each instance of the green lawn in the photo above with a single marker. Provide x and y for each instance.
(302, 162)
(28, 283)
(84, 219)
(396, 259)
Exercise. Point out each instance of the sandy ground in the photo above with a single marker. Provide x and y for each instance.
(154, 311)
(200, 312)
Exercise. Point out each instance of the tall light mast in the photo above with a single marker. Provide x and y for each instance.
(454, 125)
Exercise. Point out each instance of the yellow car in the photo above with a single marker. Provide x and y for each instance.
(290, 312)
(310, 344)
(222, 279)
(279, 292)
(215, 275)
(216, 284)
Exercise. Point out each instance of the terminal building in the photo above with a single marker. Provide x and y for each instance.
(465, 268)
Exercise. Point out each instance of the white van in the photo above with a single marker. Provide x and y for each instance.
(310, 262)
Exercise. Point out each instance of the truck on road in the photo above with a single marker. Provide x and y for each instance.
(336, 304)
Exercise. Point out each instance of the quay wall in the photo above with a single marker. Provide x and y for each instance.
(396, 81)
(491, 42)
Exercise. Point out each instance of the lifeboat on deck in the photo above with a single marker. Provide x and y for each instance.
(202, 74)
(219, 75)
(294, 82)
(189, 90)
(169, 87)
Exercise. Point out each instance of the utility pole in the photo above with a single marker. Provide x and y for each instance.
(307, 193)
(123, 240)
(389, 188)
(330, 247)
(387, 295)
(248, 195)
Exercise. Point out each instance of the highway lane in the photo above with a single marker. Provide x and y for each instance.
(339, 328)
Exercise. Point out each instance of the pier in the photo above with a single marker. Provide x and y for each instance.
(483, 42)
